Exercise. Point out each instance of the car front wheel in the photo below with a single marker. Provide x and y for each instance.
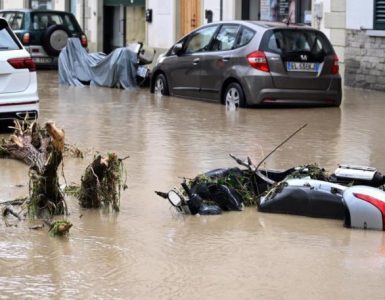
(161, 86)
(234, 96)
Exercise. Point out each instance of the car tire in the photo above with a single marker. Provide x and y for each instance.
(54, 39)
(234, 96)
(161, 85)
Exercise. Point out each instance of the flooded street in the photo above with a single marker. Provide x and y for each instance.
(147, 252)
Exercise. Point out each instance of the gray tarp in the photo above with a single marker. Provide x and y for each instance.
(77, 67)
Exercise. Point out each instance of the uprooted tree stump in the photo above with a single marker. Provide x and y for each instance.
(102, 182)
(42, 150)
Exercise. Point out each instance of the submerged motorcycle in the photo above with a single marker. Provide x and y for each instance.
(352, 193)
(221, 199)
(205, 195)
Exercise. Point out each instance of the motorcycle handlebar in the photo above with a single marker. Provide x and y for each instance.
(186, 189)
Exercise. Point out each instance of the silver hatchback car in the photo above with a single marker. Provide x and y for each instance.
(245, 63)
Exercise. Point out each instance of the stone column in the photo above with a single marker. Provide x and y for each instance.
(335, 20)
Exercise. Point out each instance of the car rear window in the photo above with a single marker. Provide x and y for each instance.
(295, 40)
(14, 19)
(7, 40)
(43, 20)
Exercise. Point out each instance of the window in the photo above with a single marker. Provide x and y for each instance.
(14, 19)
(43, 20)
(245, 37)
(225, 38)
(7, 42)
(289, 40)
(379, 14)
(199, 40)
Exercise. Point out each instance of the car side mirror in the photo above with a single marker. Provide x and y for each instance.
(178, 49)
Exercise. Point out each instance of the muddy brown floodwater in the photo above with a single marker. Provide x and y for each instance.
(146, 252)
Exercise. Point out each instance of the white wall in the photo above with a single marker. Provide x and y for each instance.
(230, 9)
(359, 13)
(214, 6)
(59, 4)
(321, 24)
(13, 4)
(161, 33)
(94, 25)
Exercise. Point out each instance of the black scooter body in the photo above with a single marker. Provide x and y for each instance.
(304, 201)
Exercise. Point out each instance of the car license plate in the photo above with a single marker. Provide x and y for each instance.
(142, 71)
(302, 66)
(42, 60)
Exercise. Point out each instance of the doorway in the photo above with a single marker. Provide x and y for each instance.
(111, 23)
(190, 15)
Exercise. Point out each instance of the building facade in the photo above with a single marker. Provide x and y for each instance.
(365, 44)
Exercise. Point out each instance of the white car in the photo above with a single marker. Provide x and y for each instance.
(18, 82)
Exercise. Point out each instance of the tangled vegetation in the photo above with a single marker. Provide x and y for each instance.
(240, 181)
(43, 150)
(59, 228)
(102, 183)
(311, 170)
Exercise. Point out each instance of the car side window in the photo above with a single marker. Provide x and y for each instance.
(42, 20)
(244, 37)
(199, 40)
(225, 39)
(17, 21)
(68, 23)
(8, 16)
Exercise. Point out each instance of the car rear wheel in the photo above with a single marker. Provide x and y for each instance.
(234, 96)
(161, 86)
(54, 39)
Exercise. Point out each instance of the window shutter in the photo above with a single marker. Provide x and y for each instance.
(379, 14)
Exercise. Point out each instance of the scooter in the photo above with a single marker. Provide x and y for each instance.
(192, 205)
(206, 198)
(144, 58)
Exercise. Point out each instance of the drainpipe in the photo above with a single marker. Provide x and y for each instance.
(220, 10)
(84, 15)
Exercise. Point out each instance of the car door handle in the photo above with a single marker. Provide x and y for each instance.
(225, 59)
(196, 61)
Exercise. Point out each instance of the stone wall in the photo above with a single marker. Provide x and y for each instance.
(364, 60)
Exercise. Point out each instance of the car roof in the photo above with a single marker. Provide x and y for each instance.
(27, 10)
(264, 24)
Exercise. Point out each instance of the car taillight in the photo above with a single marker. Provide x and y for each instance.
(380, 205)
(26, 38)
(258, 61)
(83, 40)
(335, 66)
(23, 63)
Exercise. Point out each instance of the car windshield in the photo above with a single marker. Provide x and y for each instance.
(7, 42)
(294, 40)
(43, 20)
